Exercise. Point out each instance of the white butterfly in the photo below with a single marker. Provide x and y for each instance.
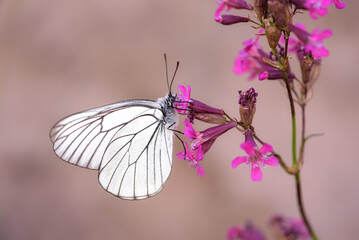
(129, 142)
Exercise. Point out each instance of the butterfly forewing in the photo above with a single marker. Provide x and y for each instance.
(128, 142)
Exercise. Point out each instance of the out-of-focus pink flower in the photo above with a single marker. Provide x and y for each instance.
(184, 98)
(256, 157)
(274, 75)
(226, 5)
(289, 228)
(311, 43)
(340, 5)
(234, 233)
(317, 7)
(249, 232)
(250, 59)
(228, 19)
(316, 45)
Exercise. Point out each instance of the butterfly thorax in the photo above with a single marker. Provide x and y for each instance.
(169, 112)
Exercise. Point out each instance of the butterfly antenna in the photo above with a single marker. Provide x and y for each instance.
(174, 74)
(168, 86)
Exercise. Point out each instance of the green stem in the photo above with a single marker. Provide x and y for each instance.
(295, 166)
(292, 109)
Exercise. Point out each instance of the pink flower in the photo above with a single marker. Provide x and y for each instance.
(205, 138)
(193, 156)
(274, 75)
(250, 59)
(318, 7)
(338, 4)
(226, 5)
(311, 43)
(201, 142)
(184, 99)
(316, 45)
(189, 130)
(256, 157)
(289, 228)
(249, 232)
(234, 233)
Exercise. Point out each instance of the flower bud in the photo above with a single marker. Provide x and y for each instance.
(272, 32)
(310, 68)
(231, 19)
(279, 9)
(209, 135)
(260, 7)
(239, 4)
(299, 4)
(205, 113)
(274, 75)
(247, 105)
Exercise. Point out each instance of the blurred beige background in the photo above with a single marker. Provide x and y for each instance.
(60, 57)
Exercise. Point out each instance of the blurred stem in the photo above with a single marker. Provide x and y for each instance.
(303, 138)
(301, 206)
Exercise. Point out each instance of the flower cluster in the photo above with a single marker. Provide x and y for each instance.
(275, 22)
(289, 228)
(200, 142)
(284, 228)
(249, 232)
(315, 7)
(310, 43)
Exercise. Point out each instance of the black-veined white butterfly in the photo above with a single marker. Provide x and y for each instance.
(130, 144)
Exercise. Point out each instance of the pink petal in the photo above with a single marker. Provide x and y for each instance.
(189, 130)
(182, 89)
(186, 92)
(323, 52)
(263, 75)
(322, 11)
(326, 3)
(233, 233)
(200, 170)
(325, 34)
(313, 15)
(248, 148)
(217, 13)
(200, 153)
(256, 173)
(266, 148)
(272, 161)
(238, 160)
(180, 155)
(301, 26)
(340, 5)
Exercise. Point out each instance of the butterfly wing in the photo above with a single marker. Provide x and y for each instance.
(128, 142)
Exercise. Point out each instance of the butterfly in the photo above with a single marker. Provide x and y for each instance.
(130, 143)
